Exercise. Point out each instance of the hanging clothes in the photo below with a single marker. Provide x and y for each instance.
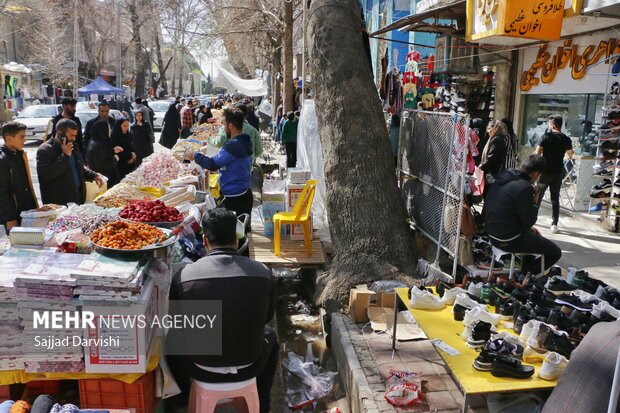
(394, 98)
(410, 94)
(431, 64)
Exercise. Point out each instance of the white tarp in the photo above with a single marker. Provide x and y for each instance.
(227, 78)
(310, 155)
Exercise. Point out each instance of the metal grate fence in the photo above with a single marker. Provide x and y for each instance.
(432, 156)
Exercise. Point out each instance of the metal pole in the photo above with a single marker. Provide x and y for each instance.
(303, 57)
(75, 48)
(615, 387)
(119, 76)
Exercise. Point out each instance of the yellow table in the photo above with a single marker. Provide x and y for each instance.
(440, 324)
(20, 376)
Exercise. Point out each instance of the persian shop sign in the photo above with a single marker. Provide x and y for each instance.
(566, 57)
(538, 19)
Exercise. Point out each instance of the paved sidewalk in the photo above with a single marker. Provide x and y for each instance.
(585, 245)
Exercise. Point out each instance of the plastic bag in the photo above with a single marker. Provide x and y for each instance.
(386, 285)
(320, 382)
(403, 388)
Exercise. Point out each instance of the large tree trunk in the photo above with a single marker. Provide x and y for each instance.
(140, 58)
(287, 40)
(366, 211)
(160, 62)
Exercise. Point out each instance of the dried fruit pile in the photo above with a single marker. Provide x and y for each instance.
(150, 211)
(127, 235)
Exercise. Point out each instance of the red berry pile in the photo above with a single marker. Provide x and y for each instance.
(150, 211)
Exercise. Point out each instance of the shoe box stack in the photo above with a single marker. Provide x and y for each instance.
(548, 314)
(297, 178)
(605, 196)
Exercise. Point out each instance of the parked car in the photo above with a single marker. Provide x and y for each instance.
(37, 118)
(86, 115)
(159, 107)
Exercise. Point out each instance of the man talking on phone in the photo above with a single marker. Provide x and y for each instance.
(60, 167)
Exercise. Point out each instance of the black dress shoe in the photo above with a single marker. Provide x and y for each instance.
(506, 366)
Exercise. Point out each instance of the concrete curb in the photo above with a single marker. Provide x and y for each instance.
(356, 367)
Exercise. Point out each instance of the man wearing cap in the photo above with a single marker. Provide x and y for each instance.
(68, 112)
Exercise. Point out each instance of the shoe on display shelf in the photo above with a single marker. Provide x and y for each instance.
(601, 206)
(558, 341)
(532, 355)
(485, 293)
(450, 295)
(574, 302)
(603, 172)
(600, 195)
(605, 184)
(506, 366)
(522, 319)
(480, 314)
(608, 144)
(587, 297)
(558, 286)
(520, 294)
(605, 293)
(507, 310)
(475, 289)
(605, 165)
(458, 311)
(553, 366)
(617, 183)
(477, 334)
(599, 310)
(494, 348)
(466, 300)
(425, 300)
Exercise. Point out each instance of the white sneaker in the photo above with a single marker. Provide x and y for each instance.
(553, 366)
(475, 289)
(464, 301)
(424, 300)
(554, 229)
(527, 330)
(531, 355)
(450, 295)
(508, 337)
(535, 340)
(604, 306)
(480, 314)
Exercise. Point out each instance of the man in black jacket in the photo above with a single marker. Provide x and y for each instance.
(511, 210)
(16, 192)
(68, 112)
(245, 289)
(60, 167)
(104, 114)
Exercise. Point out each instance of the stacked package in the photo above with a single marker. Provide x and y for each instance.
(43, 286)
(102, 279)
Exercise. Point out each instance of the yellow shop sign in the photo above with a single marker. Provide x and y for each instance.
(567, 56)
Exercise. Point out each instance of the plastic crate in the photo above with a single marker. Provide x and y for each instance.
(114, 394)
(37, 387)
(5, 393)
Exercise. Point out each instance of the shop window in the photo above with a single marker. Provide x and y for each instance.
(581, 113)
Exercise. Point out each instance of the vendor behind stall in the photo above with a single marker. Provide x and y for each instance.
(234, 162)
(16, 192)
(511, 210)
(244, 287)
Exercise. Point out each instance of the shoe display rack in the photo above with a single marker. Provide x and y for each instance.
(605, 195)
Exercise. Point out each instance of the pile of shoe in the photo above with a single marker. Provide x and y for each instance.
(606, 193)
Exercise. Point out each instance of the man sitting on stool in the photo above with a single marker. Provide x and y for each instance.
(244, 287)
(511, 210)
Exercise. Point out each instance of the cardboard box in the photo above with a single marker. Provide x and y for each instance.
(293, 191)
(297, 231)
(386, 299)
(269, 210)
(359, 301)
(135, 342)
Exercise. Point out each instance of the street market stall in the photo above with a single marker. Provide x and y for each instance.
(113, 257)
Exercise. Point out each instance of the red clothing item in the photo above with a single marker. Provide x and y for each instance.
(186, 117)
